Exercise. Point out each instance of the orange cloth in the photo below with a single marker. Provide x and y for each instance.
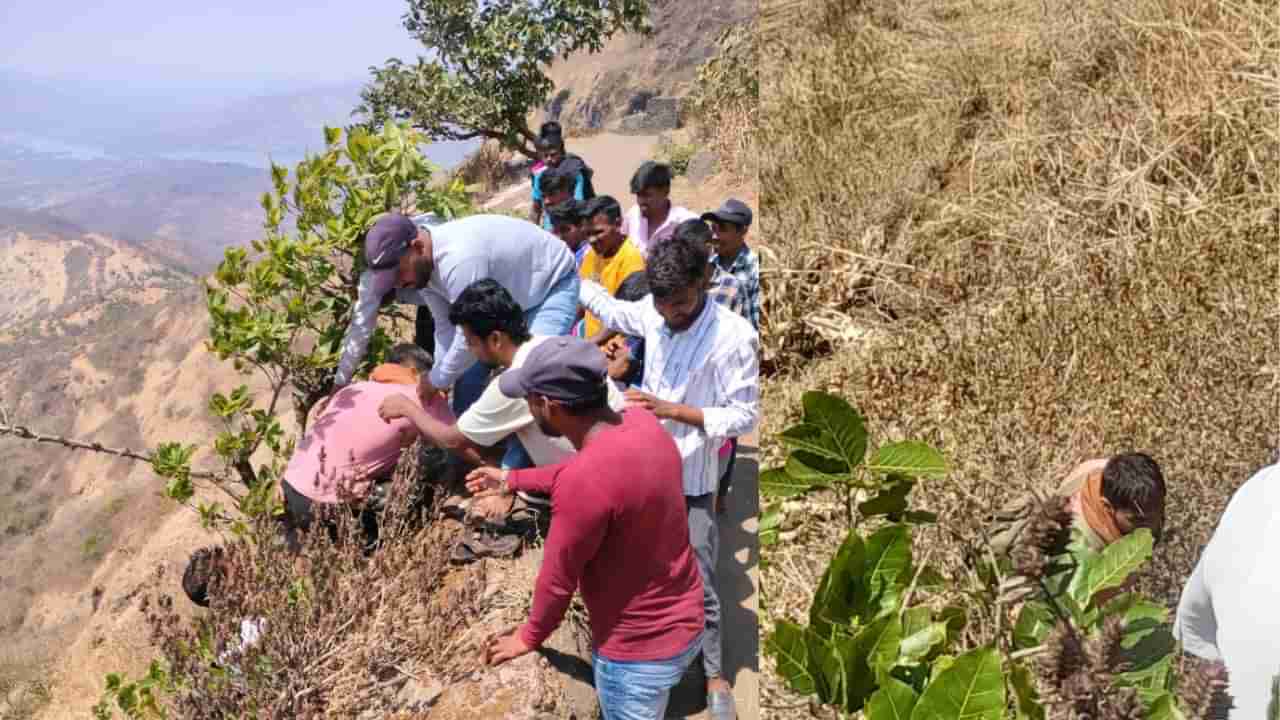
(1097, 513)
(392, 373)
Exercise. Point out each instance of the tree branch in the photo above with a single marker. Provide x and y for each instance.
(26, 433)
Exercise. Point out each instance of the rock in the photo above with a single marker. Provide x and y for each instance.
(660, 114)
(702, 165)
(419, 695)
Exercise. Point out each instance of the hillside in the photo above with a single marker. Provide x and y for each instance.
(1029, 234)
(595, 90)
(97, 340)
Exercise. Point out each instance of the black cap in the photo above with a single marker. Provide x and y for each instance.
(388, 240)
(568, 369)
(732, 211)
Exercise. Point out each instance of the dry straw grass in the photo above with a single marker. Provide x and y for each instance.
(342, 632)
(1051, 228)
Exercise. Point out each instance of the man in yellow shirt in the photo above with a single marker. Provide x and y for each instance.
(611, 259)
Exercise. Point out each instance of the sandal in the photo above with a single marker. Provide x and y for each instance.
(476, 544)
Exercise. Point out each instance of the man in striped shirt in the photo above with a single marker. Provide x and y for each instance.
(701, 378)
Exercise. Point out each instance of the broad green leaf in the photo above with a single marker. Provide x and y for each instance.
(789, 646)
(777, 483)
(887, 569)
(1164, 707)
(1035, 620)
(971, 688)
(915, 619)
(867, 656)
(812, 439)
(770, 522)
(1024, 690)
(1111, 567)
(907, 458)
(918, 645)
(832, 673)
(840, 422)
(840, 588)
(815, 469)
(956, 619)
(893, 701)
(892, 500)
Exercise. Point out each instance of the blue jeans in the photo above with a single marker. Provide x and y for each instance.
(638, 690)
(553, 316)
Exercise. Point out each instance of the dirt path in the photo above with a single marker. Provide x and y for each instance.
(614, 158)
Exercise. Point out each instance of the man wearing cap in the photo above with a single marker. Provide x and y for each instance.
(729, 226)
(433, 266)
(701, 378)
(618, 533)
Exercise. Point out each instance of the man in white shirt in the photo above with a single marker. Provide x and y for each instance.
(1227, 611)
(701, 378)
(431, 267)
(495, 331)
(653, 219)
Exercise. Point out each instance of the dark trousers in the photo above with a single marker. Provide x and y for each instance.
(300, 511)
(726, 480)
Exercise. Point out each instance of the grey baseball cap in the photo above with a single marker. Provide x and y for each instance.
(568, 369)
(732, 211)
(388, 240)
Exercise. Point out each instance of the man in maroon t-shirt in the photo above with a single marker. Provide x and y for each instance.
(619, 532)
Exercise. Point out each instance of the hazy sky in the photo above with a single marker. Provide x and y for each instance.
(255, 45)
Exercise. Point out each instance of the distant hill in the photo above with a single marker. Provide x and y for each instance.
(594, 90)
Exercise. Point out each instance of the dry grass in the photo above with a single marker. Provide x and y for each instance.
(342, 632)
(1052, 229)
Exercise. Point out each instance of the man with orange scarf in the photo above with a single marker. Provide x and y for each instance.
(349, 447)
(1108, 498)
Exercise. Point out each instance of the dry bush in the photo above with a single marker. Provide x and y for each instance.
(725, 101)
(342, 632)
(485, 167)
(1052, 228)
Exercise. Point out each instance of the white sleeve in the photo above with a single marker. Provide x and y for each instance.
(452, 356)
(1195, 626)
(627, 318)
(738, 375)
(493, 417)
(364, 318)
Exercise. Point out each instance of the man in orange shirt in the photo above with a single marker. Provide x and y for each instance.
(611, 259)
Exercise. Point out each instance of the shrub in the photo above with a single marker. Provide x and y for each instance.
(341, 632)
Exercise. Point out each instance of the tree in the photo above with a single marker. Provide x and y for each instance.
(488, 63)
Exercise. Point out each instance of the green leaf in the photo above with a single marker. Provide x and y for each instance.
(1111, 567)
(1024, 690)
(841, 585)
(816, 470)
(789, 645)
(1164, 707)
(868, 656)
(770, 522)
(893, 701)
(810, 438)
(777, 483)
(840, 423)
(892, 500)
(917, 645)
(887, 569)
(908, 458)
(1035, 620)
(971, 688)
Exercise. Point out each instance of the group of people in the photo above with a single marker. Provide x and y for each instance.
(589, 365)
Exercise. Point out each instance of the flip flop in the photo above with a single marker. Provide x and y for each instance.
(476, 544)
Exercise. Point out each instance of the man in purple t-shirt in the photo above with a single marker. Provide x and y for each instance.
(621, 537)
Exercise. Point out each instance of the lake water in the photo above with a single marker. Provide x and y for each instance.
(445, 154)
